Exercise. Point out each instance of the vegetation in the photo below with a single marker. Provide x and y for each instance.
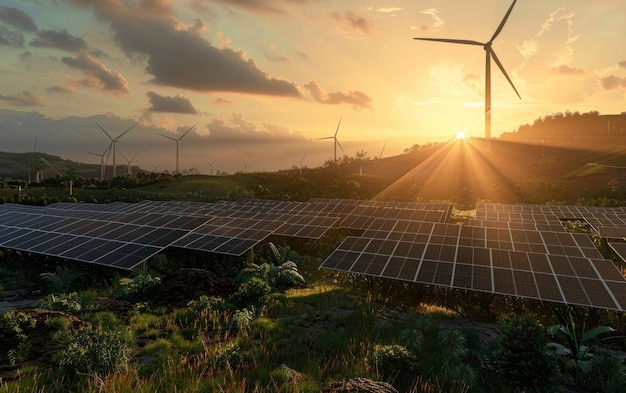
(287, 327)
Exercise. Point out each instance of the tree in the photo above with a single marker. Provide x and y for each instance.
(37, 164)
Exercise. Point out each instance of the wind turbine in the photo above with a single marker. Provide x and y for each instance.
(211, 164)
(128, 168)
(300, 162)
(106, 153)
(489, 54)
(336, 140)
(115, 140)
(245, 166)
(177, 140)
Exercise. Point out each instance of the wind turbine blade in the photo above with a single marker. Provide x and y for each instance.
(339, 144)
(452, 41)
(122, 154)
(326, 137)
(493, 54)
(135, 156)
(337, 130)
(168, 137)
(383, 149)
(499, 29)
(122, 134)
(108, 152)
(95, 154)
(105, 131)
(186, 132)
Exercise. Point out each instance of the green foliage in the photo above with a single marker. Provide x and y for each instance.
(576, 352)
(137, 289)
(251, 294)
(281, 276)
(608, 374)
(1, 292)
(13, 328)
(394, 363)
(97, 351)
(70, 303)
(63, 280)
(520, 357)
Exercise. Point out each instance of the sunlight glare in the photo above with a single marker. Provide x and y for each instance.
(460, 135)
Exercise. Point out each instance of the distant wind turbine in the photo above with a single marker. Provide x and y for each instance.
(336, 140)
(130, 162)
(490, 54)
(245, 167)
(114, 141)
(211, 164)
(382, 150)
(300, 162)
(177, 140)
(102, 165)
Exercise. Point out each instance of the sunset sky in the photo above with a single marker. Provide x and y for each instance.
(262, 80)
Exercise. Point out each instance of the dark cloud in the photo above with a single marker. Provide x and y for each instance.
(98, 76)
(59, 39)
(178, 56)
(622, 63)
(277, 58)
(24, 98)
(10, 38)
(354, 21)
(17, 18)
(613, 82)
(565, 70)
(176, 104)
(357, 99)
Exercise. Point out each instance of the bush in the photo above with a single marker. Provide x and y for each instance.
(520, 357)
(137, 289)
(97, 351)
(13, 329)
(254, 293)
(70, 303)
(394, 363)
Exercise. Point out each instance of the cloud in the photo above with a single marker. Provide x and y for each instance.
(178, 56)
(355, 22)
(565, 70)
(622, 63)
(474, 82)
(13, 39)
(613, 82)
(223, 101)
(387, 10)
(437, 21)
(98, 76)
(24, 98)
(17, 18)
(62, 88)
(60, 39)
(256, 6)
(357, 99)
(176, 104)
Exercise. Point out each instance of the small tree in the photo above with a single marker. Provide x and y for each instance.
(520, 357)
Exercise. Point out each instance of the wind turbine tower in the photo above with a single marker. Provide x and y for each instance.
(489, 55)
(300, 162)
(114, 141)
(334, 137)
(211, 165)
(106, 152)
(130, 162)
(177, 140)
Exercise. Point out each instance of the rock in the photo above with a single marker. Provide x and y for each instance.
(359, 385)
(178, 288)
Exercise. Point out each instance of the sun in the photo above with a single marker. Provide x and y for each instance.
(460, 135)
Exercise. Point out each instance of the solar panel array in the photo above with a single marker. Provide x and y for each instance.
(123, 235)
(516, 250)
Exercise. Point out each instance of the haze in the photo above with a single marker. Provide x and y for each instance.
(263, 80)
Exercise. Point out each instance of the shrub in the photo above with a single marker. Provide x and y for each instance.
(254, 293)
(520, 357)
(70, 303)
(394, 363)
(97, 351)
(137, 289)
(63, 280)
(13, 329)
